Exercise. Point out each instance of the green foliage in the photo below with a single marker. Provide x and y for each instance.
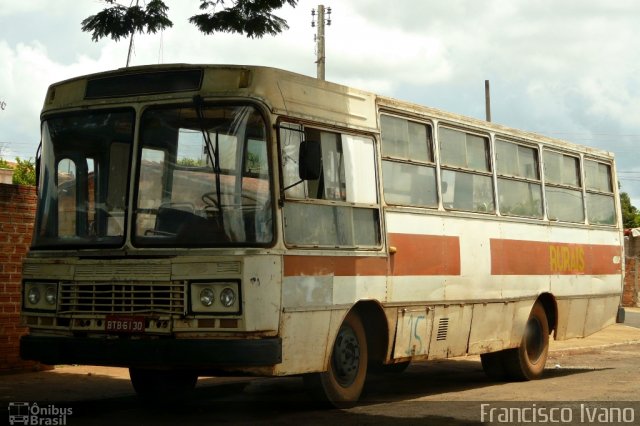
(253, 162)
(630, 214)
(25, 172)
(4, 164)
(191, 162)
(251, 17)
(119, 21)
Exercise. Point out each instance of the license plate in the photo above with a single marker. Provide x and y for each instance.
(120, 324)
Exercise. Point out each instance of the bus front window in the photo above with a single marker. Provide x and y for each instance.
(83, 179)
(203, 178)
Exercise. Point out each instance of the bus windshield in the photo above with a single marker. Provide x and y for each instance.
(203, 178)
(83, 179)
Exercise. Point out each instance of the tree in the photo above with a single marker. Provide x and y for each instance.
(251, 17)
(25, 172)
(630, 214)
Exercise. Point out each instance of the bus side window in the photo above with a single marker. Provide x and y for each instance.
(519, 188)
(563, 187)
(601, 208)
(408, 166)
(466, 171)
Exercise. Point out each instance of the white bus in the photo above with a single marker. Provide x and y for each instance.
(194, 219)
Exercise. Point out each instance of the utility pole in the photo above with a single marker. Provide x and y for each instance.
(319, 38)
(487, 99)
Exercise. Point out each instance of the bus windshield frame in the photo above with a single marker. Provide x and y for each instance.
(203, 178)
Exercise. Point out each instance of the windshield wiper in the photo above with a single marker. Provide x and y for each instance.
(212, 154)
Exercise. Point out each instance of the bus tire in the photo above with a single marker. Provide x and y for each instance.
(527, 362)
(341, 385)
(162, 385)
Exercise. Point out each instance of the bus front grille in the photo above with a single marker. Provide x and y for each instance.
(122, 298)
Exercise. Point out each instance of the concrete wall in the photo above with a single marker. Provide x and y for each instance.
(17, 213)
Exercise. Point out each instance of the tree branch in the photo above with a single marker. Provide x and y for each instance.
(250, 17)
(118, 21)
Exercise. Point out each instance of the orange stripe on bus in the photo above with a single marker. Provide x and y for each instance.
(425, 254)
(517, 257)
(415, 255)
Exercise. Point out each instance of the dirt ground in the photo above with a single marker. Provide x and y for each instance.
(600, 371)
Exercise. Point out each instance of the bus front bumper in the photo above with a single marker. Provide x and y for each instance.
(156, 353)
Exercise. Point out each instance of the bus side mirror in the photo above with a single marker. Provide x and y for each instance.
(310, 160)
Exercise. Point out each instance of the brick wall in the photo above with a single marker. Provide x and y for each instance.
(631, 296)
(17, 213)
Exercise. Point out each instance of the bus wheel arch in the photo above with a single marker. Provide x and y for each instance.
(376, 329)
(341, 384)
(550, 305)
(357, 342)
(527, 361)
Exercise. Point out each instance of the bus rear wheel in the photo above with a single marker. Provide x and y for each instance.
(342, 384)
(527, 362)
(162, 385)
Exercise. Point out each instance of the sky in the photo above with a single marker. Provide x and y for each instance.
(568, 69)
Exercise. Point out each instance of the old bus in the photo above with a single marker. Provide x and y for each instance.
(194, 219)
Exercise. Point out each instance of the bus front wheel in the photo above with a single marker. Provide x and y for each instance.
(342, 383)
(162, 385)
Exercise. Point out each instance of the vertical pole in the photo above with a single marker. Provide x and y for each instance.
(130, 48)
(487, 99)
(320, 47)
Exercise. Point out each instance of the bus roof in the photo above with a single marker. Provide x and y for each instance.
(284, 92)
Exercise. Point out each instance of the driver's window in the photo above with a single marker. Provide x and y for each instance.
(340, 209)
(331, 185)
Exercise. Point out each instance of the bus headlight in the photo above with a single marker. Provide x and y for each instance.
(51, 295)
(207, 296)
(40, 296)
(215, 297)
(33, 295)
(227, 297)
